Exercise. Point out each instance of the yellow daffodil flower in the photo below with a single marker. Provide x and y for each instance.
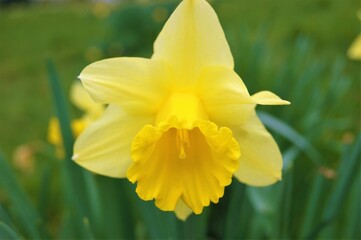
(83, 101)
(182, 123)
(354, 52)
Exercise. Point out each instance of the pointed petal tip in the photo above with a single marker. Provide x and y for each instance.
(75, 157)
(268, 98)
(182, 211)
(183, 218)
(279, 177)
(284, 102)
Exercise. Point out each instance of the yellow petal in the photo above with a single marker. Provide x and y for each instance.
(172, 163)
(268, 98)
(138, 85)
(224, 96)
(193, 39)
(104, 147)
(55, 137)
(83, 101)
(354, 52)
(182, 211)
(261, 160)
(78, 126)
(54, 134)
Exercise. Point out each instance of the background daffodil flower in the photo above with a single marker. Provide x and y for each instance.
(354, 52)
(182, 123)
(92, 111)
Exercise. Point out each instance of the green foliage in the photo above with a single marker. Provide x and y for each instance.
(318, 134)
(24, 213)
(7, 233)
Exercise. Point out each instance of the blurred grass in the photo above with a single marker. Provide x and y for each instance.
(29, 34)
(332, 24)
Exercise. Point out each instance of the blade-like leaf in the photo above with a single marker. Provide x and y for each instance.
(160, 225)
(349, 168)
(195, 227)
(352, 225)
(312, 205)
(4, 217)
(292, 135)
(27, 217)
(7, 233)
(79, 186)
(234, 215)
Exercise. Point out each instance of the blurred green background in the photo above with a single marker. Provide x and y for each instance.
(296, 49)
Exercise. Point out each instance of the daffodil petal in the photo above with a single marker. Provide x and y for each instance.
(104, 147)
(224, 96)
(268, 98)
(138, 85)
(354, 52)
(54, 134)
(81, 99)
(55, 137)
(261, 160)
(192, 39)
(182, 211)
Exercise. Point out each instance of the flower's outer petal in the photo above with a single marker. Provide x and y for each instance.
(261, 160)
(354, 52)
(268, 98)
(104, 147)
(182, 211)
(81, 99)
(224, 96)
(192, 39)
(138, 85)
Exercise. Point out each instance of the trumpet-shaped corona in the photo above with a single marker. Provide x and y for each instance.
(184, 156)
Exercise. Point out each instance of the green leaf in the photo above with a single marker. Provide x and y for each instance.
(80, 190)
(160, 225)
(349, 168)
(234, 215)
(61, 110)
(266, 204)
(116, 207)
(352, 223)
(7, 233)
(312, 205)
(289, 157)
(286, 204)
(4, 217)
(195, 227)
(292, 135)
(347, 173)
(27, 217)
